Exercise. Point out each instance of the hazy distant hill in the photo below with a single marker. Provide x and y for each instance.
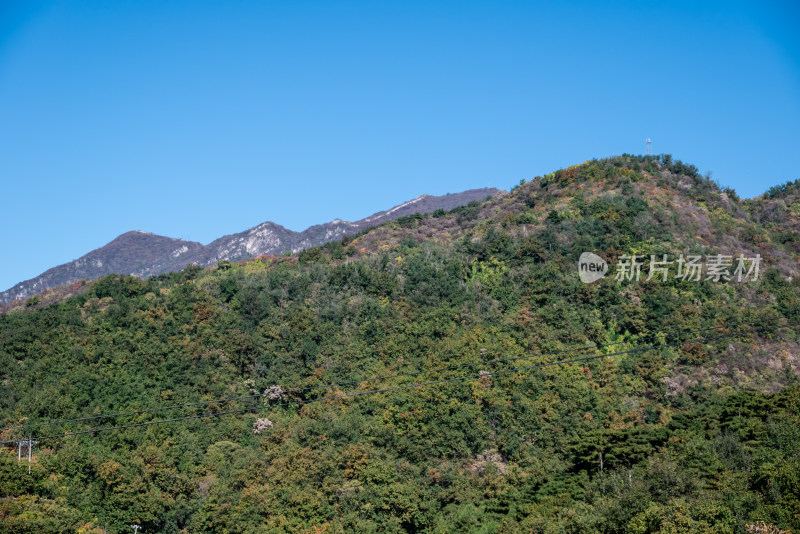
(137, 253)
(144, 254)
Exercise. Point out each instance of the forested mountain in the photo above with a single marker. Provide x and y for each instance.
(144, 254)
(682, 413)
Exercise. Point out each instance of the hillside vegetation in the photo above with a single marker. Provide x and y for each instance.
(688, 436)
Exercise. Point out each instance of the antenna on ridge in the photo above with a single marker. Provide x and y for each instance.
(649, 150)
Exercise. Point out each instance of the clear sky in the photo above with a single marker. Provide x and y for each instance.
(194, 119)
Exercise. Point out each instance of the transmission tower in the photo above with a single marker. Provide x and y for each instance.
(29, 443)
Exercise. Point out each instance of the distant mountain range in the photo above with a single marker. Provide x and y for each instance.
(144, 254)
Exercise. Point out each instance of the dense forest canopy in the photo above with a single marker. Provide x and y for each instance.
(685, 435)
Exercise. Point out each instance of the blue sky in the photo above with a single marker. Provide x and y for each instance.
(195, 119)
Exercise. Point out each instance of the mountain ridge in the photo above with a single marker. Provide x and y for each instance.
(146, 254)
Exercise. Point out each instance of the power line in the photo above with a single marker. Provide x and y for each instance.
(372, 379)
(407, 386)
